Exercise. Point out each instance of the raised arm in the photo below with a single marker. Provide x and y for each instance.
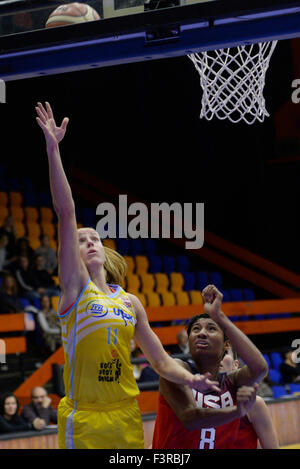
(72, 272)
(161, 362)
(256, 367)
(261, 420)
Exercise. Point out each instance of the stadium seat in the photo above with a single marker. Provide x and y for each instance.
(279, 391)
(202, 280)
(155, 264)
(46, 214)
(249, 294)
(15, 198)
(133, 283)
(53, 243)
(153, 299)
(130, 264)
(168, 298)
(176, 282)
(182, 298)
(196, 297)
(294, 388)
(169, 264)
(20, 230)
(34, 243)
(142, 264)
(3, 198)
(48, 229)
(148, 282)
(267, 358)
(123, 247)
(137, 248)
(215, 278)
(149, 247)
(18, 213)
(54, 302)
(275, 376)
(182, 264)
(142, 298)
(236, 294)
(226, 296)
(3, 213)
(33, 229)
(189, 281)
(109, 243)
(162, 282)
(276, 359)
(31, 214)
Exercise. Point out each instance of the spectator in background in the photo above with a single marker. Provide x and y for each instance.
(10, 421)
(45, 284)
(22, 248)
(3, 253)
(49, 324)
(290, 371)
(265, 388)
(9, 301)
(48, 254)
(182, 343)
(26, 279)
(8, 229)
(40, 408)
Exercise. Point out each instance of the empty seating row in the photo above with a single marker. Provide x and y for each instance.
(28, 214)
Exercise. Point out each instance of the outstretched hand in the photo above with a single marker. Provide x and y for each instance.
(53, 133)
(212, 298)
(245, 397)
(203, 383)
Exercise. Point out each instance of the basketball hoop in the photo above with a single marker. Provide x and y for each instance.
(233, 81)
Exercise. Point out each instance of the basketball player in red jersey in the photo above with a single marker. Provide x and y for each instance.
(191, 420)
(256, 426)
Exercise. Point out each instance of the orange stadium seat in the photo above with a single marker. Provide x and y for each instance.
(46, 214)
(109, 243)
(148, 283)
(20, 229)
(168, 298)
(3, 199)
(34, 243)
(162, 282)
(130, 264)
(133, 283)
(15, 198)
(53, 243)
(54, 302)
(153, 299)
(31, 214)
(142, 264)
(196, 297)
(33, 229)
(18, 213)
(176, 282)
(48, 229)
(182, 298)
(3, 213)
(142, 298)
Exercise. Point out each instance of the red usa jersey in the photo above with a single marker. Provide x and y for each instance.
(169, 433)
(247, 437)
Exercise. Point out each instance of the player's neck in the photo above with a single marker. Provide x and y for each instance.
(207, 366)
(99, 278)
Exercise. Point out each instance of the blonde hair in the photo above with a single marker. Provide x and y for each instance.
(115, 267)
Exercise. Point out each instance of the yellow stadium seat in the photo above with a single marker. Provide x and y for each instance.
(168, 298)
(176, 282)
(130, 264)
(47, 214)
(3, 199)
(20, 229)
(182, 298)
(142, 264)
(133, 283)
(33, 229)
(31, 214)
(196, 297)
(109, 243)
(53, 243)
(153, 299)
(15, 198)
(54, 302)
(34, 243)
(48, 229)
(162, 282)
(17, 213)
(56, 280)
(148, 283)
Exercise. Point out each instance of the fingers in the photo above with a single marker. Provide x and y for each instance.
(64, 123)
(49, 110)
(41, 114)
(210, 293)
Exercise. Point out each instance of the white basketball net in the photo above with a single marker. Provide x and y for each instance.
(233, 81)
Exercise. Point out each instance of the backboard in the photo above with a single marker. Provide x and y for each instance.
(134, 30)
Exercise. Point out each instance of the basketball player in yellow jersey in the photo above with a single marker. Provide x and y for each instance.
(98, 321)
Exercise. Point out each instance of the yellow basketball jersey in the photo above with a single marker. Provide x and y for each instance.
(96, 334)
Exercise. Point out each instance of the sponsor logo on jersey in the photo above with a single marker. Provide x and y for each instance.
(97, 310)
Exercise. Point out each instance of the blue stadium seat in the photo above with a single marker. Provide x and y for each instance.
(189, 281)
(226, 297)
(275, 376)
(24, 302)
(236, 294)
(249, 294)
(149, 247)
(267, 358)
(137, 248)
(294, 387)
(123, 246)
(183, 264)
(202, 280)
(155, 264)
(276, 359)
(279, 391)
(215, 278)
(168, 264)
